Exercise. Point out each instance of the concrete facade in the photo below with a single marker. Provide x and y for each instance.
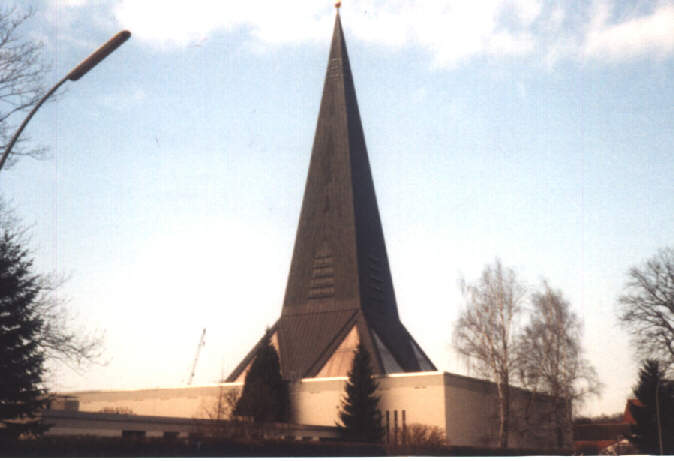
(463, 408)
(181, 402)
(69, 423)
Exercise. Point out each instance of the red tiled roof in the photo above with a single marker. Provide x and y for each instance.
(627, 417)
(583, 445)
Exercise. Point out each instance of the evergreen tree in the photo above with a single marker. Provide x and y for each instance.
(265, 393)
(645, 431)
(21, 357)
(360, 415)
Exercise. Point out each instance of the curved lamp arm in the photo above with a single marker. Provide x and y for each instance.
(75, 74)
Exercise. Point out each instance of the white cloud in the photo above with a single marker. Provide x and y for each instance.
(177, 23)
(68, 3)
(449, 31)
(505, 43)
(527, 10)
(557, 17)
(649, 34)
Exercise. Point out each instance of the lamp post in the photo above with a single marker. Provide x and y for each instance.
(75, 74)
(657, 414)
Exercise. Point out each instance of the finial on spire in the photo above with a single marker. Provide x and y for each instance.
(338, 4)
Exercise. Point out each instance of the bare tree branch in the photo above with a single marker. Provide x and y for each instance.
(22, 72)
(646, 307)
(58, 338)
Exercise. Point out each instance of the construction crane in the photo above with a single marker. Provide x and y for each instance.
(201, 344)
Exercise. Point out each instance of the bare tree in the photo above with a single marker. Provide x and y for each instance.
(223, 423)
(646, 308)
(58, 339)
(551, 359)
(224, 404)
(485, 333)
(416, 438)
(22, 70)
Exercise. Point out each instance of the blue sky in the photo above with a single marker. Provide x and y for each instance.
(534, 131)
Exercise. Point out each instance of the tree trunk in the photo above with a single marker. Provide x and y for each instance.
(503, 413)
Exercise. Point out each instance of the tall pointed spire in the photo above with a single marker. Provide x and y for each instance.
(339, 289)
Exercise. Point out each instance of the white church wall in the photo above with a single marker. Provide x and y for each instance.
(472, 415)
(316, 401)
(417, 396)
(411, 398)
(532, 421)
(470, 411)
(463, 408)
(184, 402)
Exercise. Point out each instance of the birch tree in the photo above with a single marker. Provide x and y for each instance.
(486, 333)
(551, 359)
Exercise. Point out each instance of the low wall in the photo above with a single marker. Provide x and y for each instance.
(78, 423)
(463, 408)
(471, 410)
(181, 402)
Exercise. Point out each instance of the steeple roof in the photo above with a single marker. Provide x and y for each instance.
(339, 283)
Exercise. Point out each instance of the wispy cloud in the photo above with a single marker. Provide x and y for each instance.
(649, 34)
(124, 101)
(68, 18)
(449, 31)
(177, 23)
(70, 3)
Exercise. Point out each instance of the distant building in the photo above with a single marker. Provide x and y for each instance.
(606, 438)
(339, 295)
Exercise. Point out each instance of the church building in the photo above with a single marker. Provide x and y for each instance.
(339, 290)
(340, 294)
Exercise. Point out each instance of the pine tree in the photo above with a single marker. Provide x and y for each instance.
(21, 358)
(265, 393)
(360, 416)
(645, 431)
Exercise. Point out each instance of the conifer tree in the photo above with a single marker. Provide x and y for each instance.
(21, 357)
(646, 433)
(265, 393)
(360, 416)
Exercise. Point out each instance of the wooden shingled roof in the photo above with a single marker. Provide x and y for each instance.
(339, 274)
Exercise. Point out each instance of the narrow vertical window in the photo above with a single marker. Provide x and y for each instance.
(395, 427)
(388, 428)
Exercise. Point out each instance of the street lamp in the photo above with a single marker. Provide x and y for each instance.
(657, 414)
(75, 74)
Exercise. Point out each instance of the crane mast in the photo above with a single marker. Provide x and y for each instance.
(201, 344)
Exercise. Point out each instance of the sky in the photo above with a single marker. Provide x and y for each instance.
(538, 132)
